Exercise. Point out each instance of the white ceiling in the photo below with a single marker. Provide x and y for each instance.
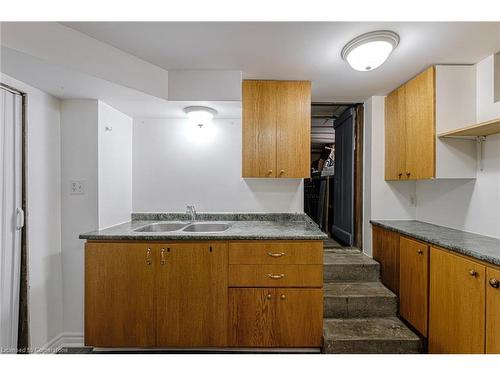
(65, 83)
(299, 50)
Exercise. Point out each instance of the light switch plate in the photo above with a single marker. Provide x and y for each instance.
(77, 187)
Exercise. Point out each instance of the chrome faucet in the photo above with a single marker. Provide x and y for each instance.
(191, 211)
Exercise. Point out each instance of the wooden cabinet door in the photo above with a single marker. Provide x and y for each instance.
(457, 304)
(414, 283)
(395, 135)
(293, 129)
(492, 311)
(420, 126)
(386, 252)
(259, 99)
(191, 295)
(299, 317)
(252, 317)
(119, 295)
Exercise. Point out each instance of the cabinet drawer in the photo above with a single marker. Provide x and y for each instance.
(293, 252)
(276, 275)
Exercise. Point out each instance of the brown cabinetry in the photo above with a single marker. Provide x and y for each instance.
(276, 293)
(191, 292)
(276, 129)
(119, 295)
(492, 311)
(204, 294)
(385, 248)
(414, 283)
(276, 317)
(410, 129)
(457, 304)
(163, 295)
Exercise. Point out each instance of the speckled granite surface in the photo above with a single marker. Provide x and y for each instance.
(243, 227)
(474, 245)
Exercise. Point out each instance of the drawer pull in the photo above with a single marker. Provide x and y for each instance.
(275, 255)
(148, 257)
(269, 296)
(162, 257)
(420, 252)
(494, 283)
(276, 277)
(282, 296)
(473, 273)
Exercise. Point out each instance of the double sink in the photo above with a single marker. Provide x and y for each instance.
(186, 227)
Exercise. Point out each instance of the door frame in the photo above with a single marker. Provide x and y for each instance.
(358, 166)
(23, 318)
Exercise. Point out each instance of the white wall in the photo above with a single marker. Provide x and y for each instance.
(115, 166)
(470, 205)
(79, 161)
(173, 167)
(103, 160)
(43, 221)
(392, 200)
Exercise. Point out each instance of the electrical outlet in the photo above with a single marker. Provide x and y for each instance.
(77, 187)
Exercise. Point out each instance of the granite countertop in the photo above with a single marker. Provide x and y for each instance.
(243, 227)
(474, 245)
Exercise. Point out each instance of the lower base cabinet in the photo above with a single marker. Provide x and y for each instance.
(457, 304)
(119, 295)
(492, 311)
(414, 283)
(181, 295)
(275, 317)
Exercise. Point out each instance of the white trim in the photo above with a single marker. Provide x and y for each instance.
(63, 340)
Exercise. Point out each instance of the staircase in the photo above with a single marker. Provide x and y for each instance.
(360, 313)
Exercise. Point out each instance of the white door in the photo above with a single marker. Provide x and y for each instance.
(11, 216)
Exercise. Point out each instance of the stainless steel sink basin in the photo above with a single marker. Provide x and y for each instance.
(161, 227)
(207, 227)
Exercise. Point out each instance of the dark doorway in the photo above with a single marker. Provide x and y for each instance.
(333, 194)
(343, 179)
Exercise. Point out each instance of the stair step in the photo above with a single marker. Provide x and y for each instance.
(358, 300)
(376, 335)
(347, 265)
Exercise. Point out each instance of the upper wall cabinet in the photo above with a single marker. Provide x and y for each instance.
(439, 99)
(276, 129)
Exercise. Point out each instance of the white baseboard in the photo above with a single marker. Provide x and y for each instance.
(64, 339)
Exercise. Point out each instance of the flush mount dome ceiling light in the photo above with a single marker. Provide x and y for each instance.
(368, 51)
(199, 114)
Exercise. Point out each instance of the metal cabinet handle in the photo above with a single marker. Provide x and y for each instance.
(275, 255)
(472, 273)
(400, 175)
(408, 174)
(163, 260)
(276, 277)
(282, 296)
(282, 172)
(148, 257)
(494, 283)
(269, 172)
(420, 251)
(269, 296)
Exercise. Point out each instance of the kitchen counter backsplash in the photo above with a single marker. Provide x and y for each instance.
(219, 216)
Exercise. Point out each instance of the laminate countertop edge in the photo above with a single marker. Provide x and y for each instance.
(473, 245)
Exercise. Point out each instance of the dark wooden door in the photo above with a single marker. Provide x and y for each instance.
(343, 179)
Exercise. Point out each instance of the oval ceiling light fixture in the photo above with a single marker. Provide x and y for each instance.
(200, 115)
(368, 51)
